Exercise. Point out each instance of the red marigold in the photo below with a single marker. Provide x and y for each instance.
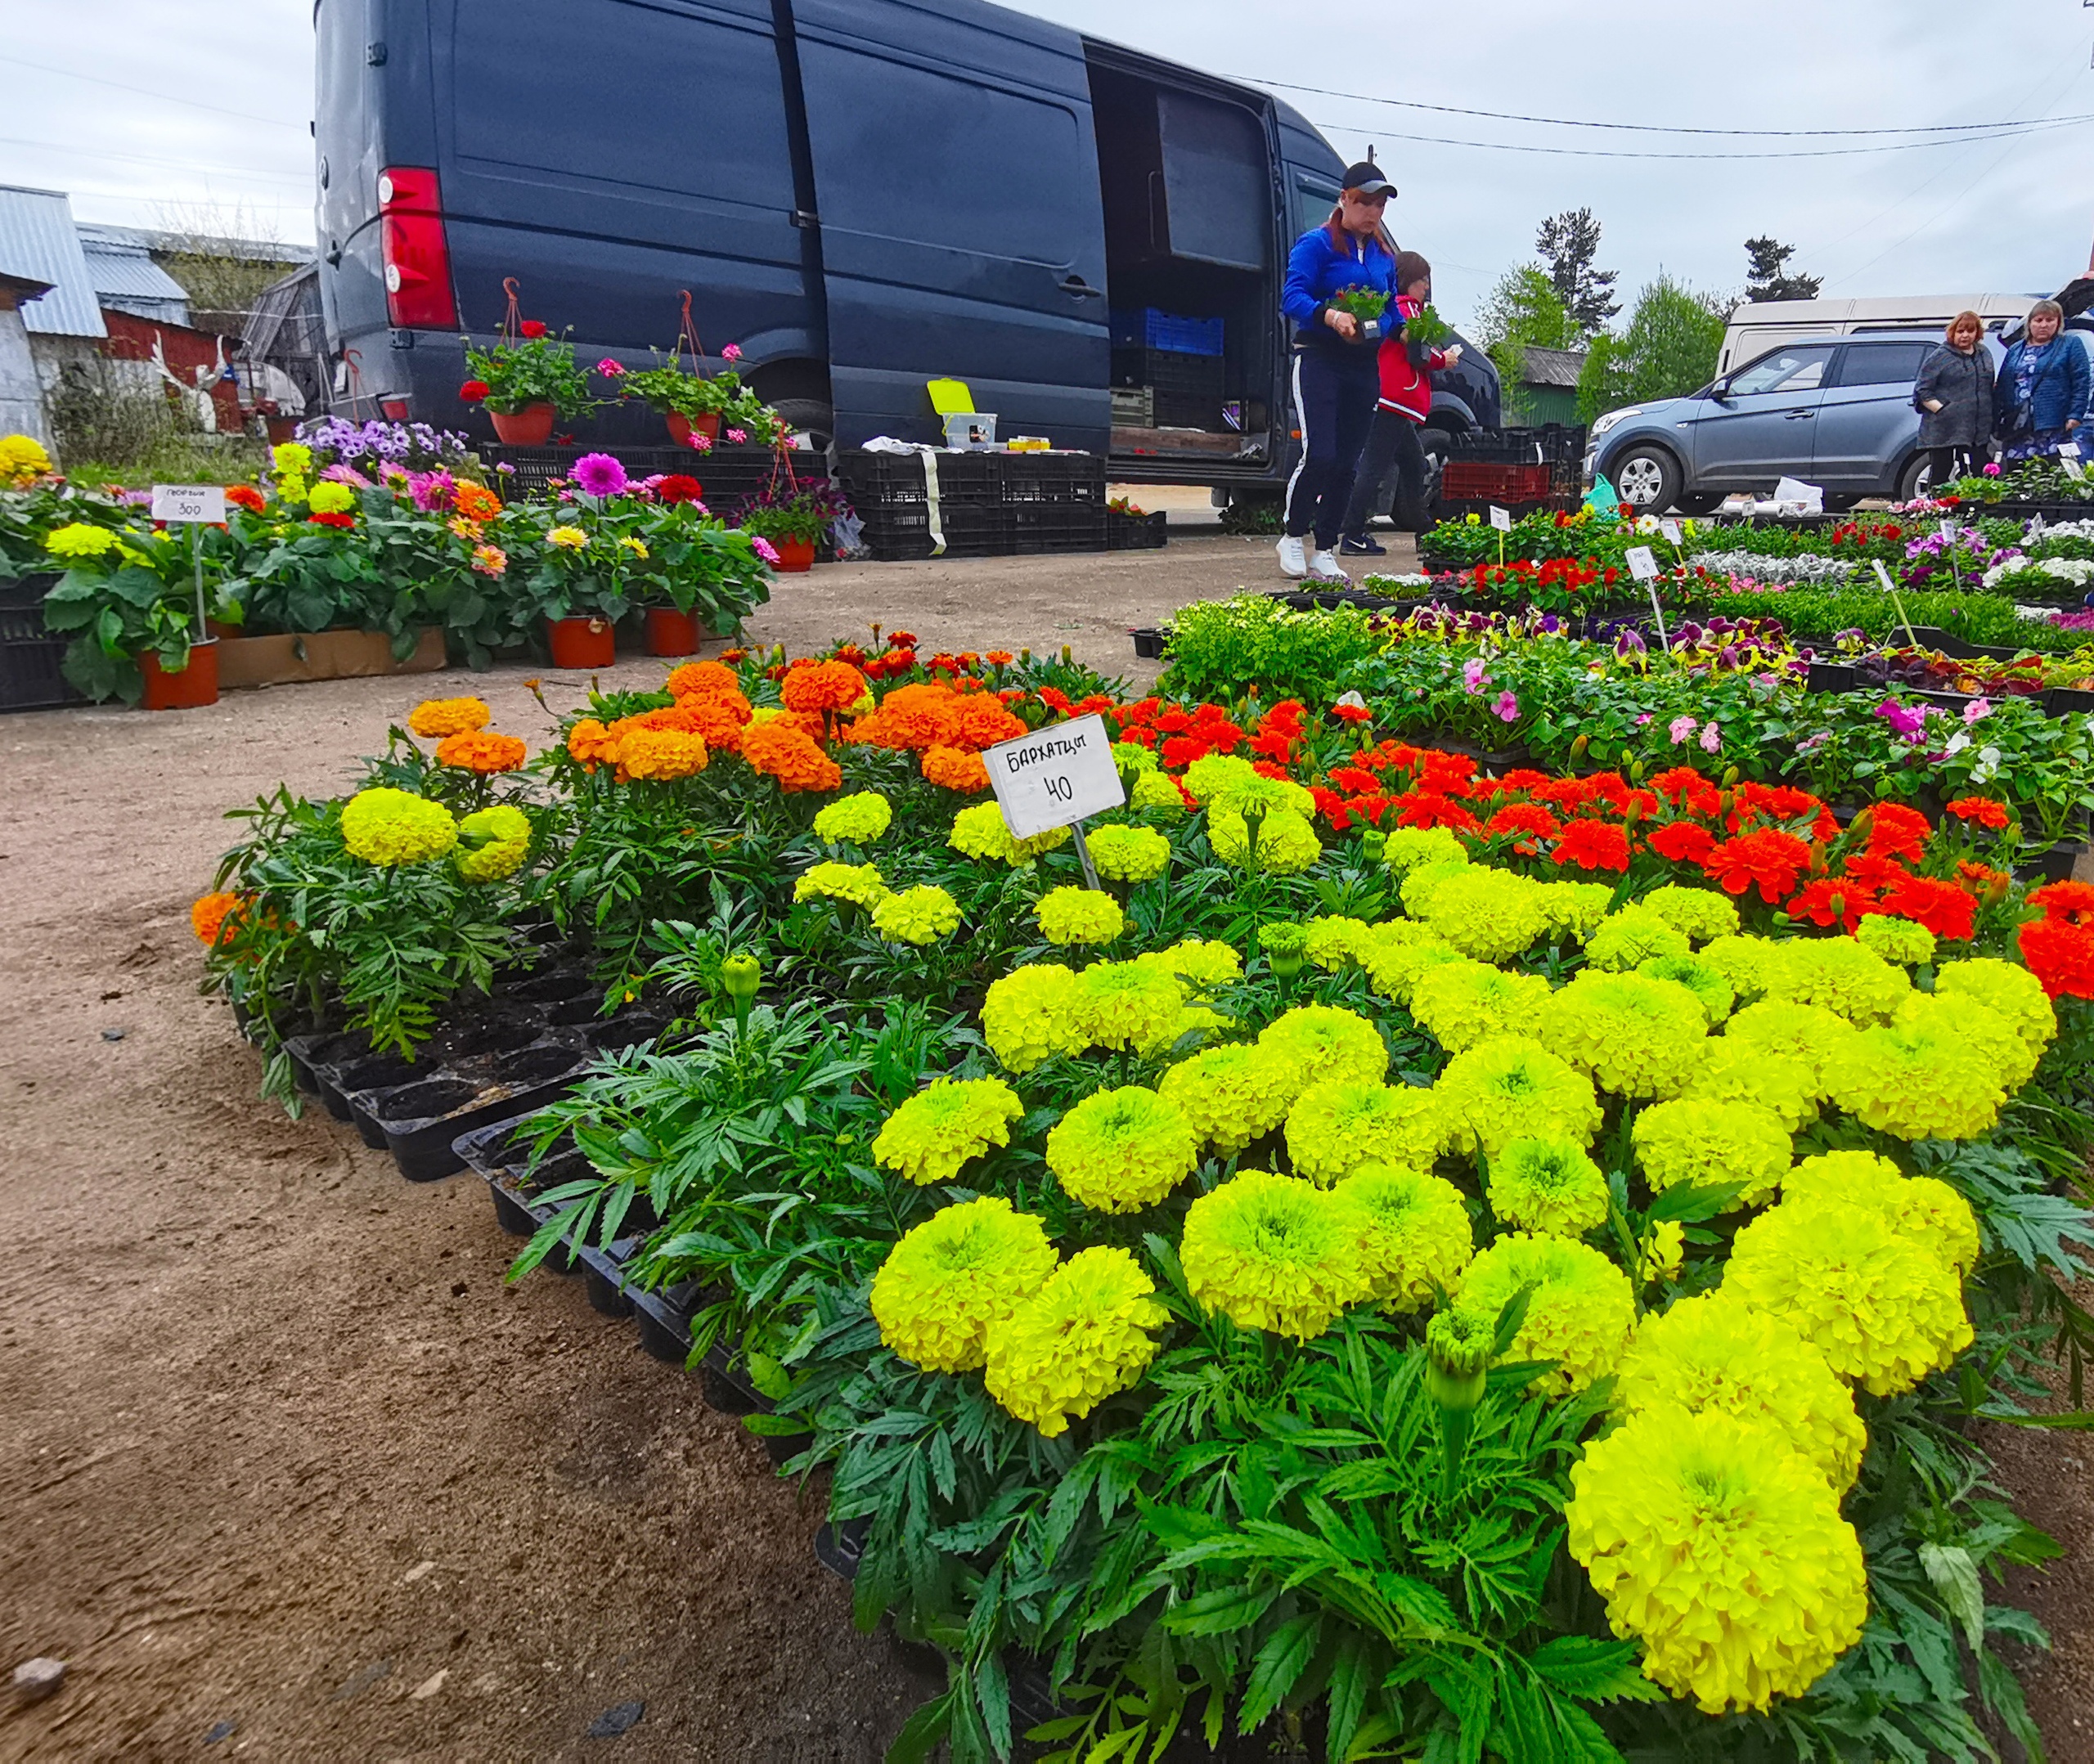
(1055, 699)
(1429, 808)
(1592, 845)
(1530, 818)
(1832, 899)
(780, 748)
(1944, 908)
(1895, 831)
(1351, 713)
(1449, 773)
(2060, 955)
(1681, 841)
(1982, 809)
(1985, 884)
(1275, 744)
(1565, 793)
(2069, 903)
(1370, 805)
(956, 769)
(1523, 778)
(1180, 750)
(1677, 781)
(900, 639)
(1331, 805)
(1773, 859)
(482, 751)
(1354, 778)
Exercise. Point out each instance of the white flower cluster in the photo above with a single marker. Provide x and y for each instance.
(2077, 571)
(1750, 566)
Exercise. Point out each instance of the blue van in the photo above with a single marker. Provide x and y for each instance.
(862, 194)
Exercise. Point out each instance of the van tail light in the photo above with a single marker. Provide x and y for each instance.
(416, 252)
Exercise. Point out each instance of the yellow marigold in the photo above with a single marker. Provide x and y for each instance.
(1509, 1088)
(1333, 942)
(1737, 1071)
(1154, 791)
(1638, 1036)
(1395, 956)
(1699, 914)
(567, 538)
(1921, 1208)
(1882, 1308)
(1895, 940)
(1916, 1081)
(1273, 1252)
(921, 914)
(1547, 1185)
(939, 1129)
(1415, 1237)
(981, 832)
(1697, 976)
(1121, 1150)
(1083, 1337)
(1808, 1033)
(1631, 937)
(1722, 1550)
(861, 818)
(1198, 965)
(1339, 1125)
(1579, 1312)
(1490, 915)
(951, 1279)
(1959, 1017)
(482, 751)
(385, 826)
(1746, 962)
(1574, 909)
(1224, 781)
(1287, 842)
(209, 916)
(1409, 847)
(1079, 916)
(1710, 1353)
(782, 749)
(1322, 1042)
(1839, 974)
(1128, 854)
(1232, 1095)
(1703, 1143)
(493, 843)
(955, 768)
(1461, 1002)
(1127, 1006)
(660, 755)
(861, 884)
(1034, 1014)
(2006, 987)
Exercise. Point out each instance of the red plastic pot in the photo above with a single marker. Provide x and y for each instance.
(194, 687)
(670, 632)
(530, 427)
(682, 427)
(582, 642)
(794, 554)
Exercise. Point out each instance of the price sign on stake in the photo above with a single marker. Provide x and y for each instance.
(2067, 450)
(1501, 518)
(1668, 531)
(1055, 776)
(189, 502)
(1644, 567)
(2071, 466)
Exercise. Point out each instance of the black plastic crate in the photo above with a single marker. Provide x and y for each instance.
(1051, 478)
(880, 481)
(1136, 533)
(32, 677)
(897, 532)
(1039, 526)
(1171, 371)
(1553, 444)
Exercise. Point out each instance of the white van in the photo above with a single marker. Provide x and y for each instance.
(1758, 325)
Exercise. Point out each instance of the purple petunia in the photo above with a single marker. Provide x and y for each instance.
(1909, 720)
(600, 474)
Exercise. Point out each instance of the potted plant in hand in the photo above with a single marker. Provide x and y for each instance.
(792, 519)
(525, 381)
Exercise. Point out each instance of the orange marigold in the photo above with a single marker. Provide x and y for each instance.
(482, 751)
(818, 686)
(435, 718)
(208, 916)
(694, 677)
(956, 769)
(915, 718)
(476, 502)
(590, 741)
(660, 754)
(719, 716)
(984, 722)
(780, 747)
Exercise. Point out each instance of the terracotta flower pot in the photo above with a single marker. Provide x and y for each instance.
(794, 554)
(670, 632)
(682, 427)
(530, 427)
(191, 689)
(582, 642)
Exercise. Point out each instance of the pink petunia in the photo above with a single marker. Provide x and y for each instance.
(1682, 727)
(1976, 708)
(1712, 738)
(611, 370)
(764, 548)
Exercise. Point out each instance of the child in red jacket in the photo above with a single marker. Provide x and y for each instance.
(1406, 400)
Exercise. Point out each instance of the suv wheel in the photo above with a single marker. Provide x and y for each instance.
(1913, 482)
(1698, 502)
(1647, 479)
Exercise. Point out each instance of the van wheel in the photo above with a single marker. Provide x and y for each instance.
(1647, 479)
(814, 419)
(1438, 444)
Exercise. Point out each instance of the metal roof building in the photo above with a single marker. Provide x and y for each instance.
(38, 240)
(125, 277)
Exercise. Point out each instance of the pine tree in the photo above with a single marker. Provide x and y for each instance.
(1568, 243)
(1766, 276)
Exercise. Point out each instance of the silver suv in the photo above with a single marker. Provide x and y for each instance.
(1836, 412)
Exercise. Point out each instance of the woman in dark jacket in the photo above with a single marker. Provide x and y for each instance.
(2041, 394)
(1954, 396)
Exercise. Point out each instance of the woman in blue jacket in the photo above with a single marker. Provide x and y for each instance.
(1335, 381)
(2040, 395)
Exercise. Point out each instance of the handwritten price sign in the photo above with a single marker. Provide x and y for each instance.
(1055, 776)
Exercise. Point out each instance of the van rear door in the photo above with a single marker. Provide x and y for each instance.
(962, 232)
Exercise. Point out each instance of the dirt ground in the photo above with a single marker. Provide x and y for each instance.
(286, 1470)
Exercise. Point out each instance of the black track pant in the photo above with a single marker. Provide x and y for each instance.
(1334, 397)
(1392, 441)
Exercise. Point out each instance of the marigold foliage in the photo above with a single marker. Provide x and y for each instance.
(1121, 1150)
(1035, 1014)
(385, 826)
(1082, 1337)
(1638, 1036)
(1341, 1123)
(1709, 1354)
(1699, 914)
(861, 884)
(1921, 1208)
(1510, 1087)
(1076, 915)
(1915, 1081)
(1273, 1252)
(1232, 1095)
(951, 1279)
(1415, 1236)
(2006, 987)
(1579, 1314)
(1628, 939)
(1491, 914)
(1322, 1042)
(861, 818)
(434, 718)
(1461, 1002)
(494, 842)
(1702, 1142)
(921, 914)
(1124, 854)
(939, 1129)
(1547, 1185)
(1839, 974)
(1698, 977)
(1721, 1548)
(1883, 1309)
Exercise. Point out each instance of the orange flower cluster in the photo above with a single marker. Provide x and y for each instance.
(2058, 947)
(811, 688)
(780, 748)
(476, 502)
(209, 917)
(709, 703)
(915, 719)
(482, 751)
(959, 769)
(434, 718)
(674, 742)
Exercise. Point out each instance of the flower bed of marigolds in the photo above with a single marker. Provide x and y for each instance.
(1424, 1260)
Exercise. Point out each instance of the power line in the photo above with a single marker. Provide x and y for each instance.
(2013, 133)
(1647, 128)
(142, 92)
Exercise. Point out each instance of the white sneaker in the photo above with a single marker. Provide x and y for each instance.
(1293, 560)
(1323, 566)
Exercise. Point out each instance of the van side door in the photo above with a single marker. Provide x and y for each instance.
(963, 234)
(1866, 424)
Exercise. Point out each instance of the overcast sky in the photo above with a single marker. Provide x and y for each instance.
(1974, 215)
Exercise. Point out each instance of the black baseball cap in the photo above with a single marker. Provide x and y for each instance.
(1366, 177)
